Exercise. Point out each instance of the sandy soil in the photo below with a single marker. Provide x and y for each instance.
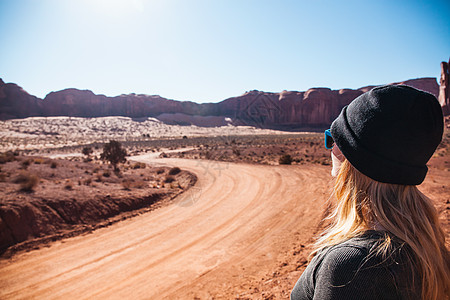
(45, 199)
(232, 224)
(242, 232)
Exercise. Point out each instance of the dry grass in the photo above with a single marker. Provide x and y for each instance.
(27, 181)
(139, 165)
(129, 184)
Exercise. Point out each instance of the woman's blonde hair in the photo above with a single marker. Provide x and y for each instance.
(401, 211)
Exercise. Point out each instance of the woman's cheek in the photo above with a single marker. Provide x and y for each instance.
(336, 165)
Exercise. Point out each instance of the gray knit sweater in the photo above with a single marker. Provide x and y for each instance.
(352, 270)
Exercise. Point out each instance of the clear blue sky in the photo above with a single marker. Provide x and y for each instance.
(209, 50)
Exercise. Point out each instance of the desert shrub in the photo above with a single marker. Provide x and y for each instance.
(7, 157)
(68, 185)
(139, 165)
(325, 162)
(236, 151)
(87, 151)
(27, 181)
(98, 177)
(169, 179)
(174, 171)
(25, 163)
(106, 173)
(159, 171)
(285, 159)
(21, 177)
(163, 154)
(114, 153)
(118, 173)
(39, 161)
(87, 181)
(128, 184)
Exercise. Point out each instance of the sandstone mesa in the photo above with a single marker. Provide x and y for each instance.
(287, 110)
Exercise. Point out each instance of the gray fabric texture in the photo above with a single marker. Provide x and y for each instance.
(352, 270)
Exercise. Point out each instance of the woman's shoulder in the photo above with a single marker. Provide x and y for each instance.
(354, 269)
(356, 266)
(361, 251)
(350, 256)
(357, 247)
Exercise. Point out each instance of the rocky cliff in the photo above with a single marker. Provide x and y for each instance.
(290, 110)
(444, 90)
(17, 103)
(315, 108)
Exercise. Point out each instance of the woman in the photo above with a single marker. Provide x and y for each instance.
(384, 241)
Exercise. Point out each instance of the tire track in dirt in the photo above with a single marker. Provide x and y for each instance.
(172, 248)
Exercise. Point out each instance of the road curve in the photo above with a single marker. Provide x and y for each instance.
(235, 212)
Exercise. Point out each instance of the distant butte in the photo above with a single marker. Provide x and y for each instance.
(287, 110)
(444, 89)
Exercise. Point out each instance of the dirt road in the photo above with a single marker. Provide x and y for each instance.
(230, 229)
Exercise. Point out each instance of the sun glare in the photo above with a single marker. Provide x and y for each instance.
(116, 8)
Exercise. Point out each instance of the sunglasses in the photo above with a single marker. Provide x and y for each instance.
(329, 142)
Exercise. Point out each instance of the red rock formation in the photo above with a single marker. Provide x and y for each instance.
(315, 108)
(428, 84)
(84, 103)
(17, 103)
(444, 90)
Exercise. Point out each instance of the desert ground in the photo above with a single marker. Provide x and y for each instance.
(50, 133)
(243, 231)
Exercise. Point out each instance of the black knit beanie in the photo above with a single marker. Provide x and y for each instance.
(390, 133)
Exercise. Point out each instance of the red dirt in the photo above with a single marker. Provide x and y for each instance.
(74, 197)
(242, 232)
